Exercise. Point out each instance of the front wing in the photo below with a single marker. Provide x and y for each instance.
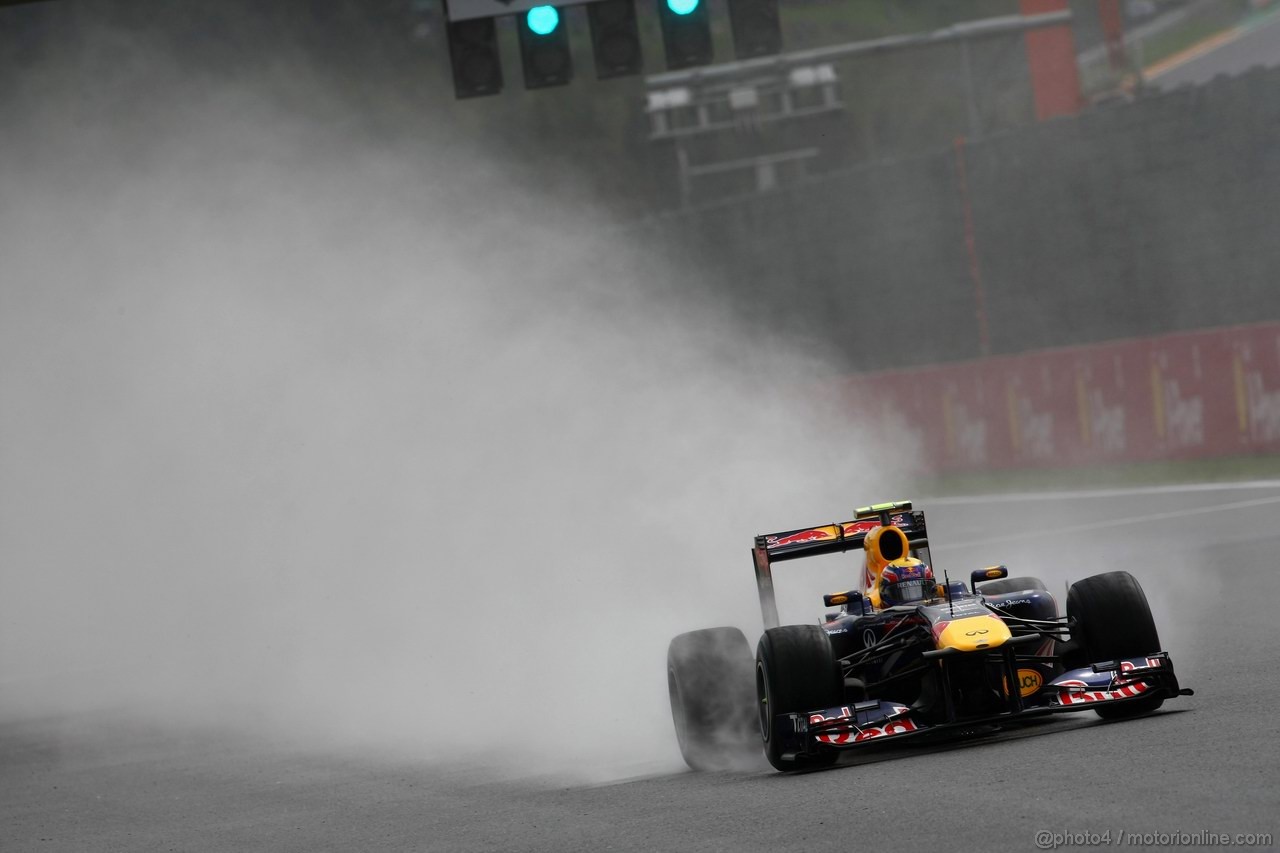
(877, 721)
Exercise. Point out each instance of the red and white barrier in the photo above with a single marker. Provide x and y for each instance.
(1191, 395)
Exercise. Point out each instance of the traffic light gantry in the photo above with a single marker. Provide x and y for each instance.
(543, 34)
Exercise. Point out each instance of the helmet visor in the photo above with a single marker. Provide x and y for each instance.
(911, 591)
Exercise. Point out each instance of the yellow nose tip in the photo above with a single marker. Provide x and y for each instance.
(974, 634)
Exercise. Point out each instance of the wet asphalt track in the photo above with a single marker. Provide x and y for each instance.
(1209, 762)
(1257, 46)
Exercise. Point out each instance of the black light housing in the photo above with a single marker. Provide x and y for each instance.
(756, 28)
(686, 32)
(473, 53)
(544, 48)
(615, 38)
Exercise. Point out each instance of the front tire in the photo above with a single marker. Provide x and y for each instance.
(796, 671)
(711, 684)
(1113, 621)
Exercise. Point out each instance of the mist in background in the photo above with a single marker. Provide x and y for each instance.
(324, 430)
(333, 408)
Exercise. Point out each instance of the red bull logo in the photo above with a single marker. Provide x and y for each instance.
(860, 733)
(816, 534)
(1128, 666)
(825, 533)
(1070, 692)
(895, 573)
(855, 527)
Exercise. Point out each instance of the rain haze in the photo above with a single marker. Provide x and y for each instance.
(363, 448)
(361, 437)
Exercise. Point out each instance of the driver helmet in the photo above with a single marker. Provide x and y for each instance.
(906, 581)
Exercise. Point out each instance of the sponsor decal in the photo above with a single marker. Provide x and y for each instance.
(832, 531)
(845, 714)
(868, 638)
(831, 631)
(897, 727)
(957, 609)
(861, 733)
(1011, 602)
(1126, 666)
(1073, 692)
(817, 534)
(854, 527)
(823, 533)
(1029, 681)
(971, 633)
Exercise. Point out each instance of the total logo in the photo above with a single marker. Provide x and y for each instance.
(889, 729)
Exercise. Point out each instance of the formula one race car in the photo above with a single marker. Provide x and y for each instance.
(909, 654)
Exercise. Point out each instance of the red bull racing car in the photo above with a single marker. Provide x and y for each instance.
(909, 654)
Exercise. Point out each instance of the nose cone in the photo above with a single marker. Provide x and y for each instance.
(973, 634)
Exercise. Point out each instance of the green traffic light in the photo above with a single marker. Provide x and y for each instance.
(543, 20)
(682, 7)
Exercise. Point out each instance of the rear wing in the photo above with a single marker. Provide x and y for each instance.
(829, 539)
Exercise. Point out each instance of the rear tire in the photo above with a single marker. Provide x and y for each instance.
(796, 671)
(1113, 621)
(1004, 585)
(711, 682)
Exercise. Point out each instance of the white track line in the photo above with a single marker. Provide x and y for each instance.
(1176, 489)
(1119, 522)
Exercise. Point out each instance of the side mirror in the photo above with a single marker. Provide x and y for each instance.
(991, 573)
(836, 598)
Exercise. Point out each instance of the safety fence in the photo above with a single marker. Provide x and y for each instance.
(1143, 219)
(1180, 396)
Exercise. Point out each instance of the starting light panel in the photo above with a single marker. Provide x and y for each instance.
(686, 32)
(756, 29)
(544, 48)
(615, 38)
(473, 53)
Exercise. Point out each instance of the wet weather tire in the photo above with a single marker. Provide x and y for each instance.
(1113, 621)
(712, 687)
(796, 670)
